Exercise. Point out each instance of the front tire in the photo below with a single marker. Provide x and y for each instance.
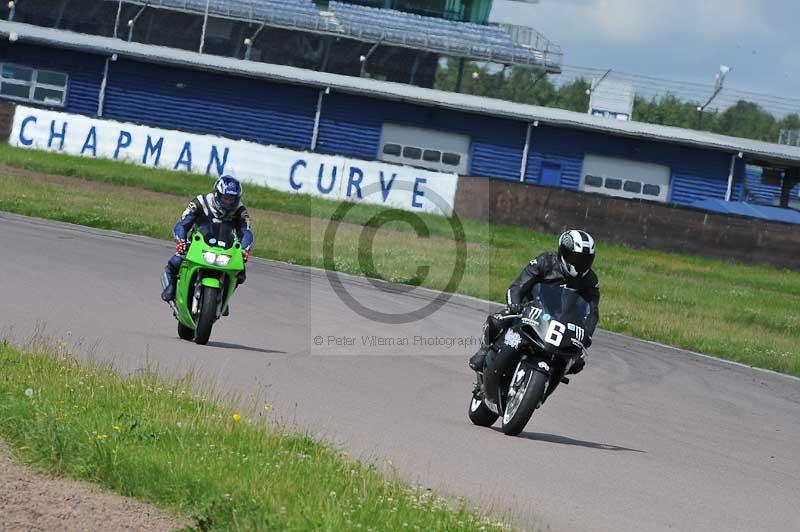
(518, 413)
(480, 414)
(208, 315)
(184, 332)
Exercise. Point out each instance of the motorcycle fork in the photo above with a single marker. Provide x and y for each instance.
(198, 290)
(223, 290)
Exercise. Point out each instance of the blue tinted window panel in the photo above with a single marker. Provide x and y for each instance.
(85, 72)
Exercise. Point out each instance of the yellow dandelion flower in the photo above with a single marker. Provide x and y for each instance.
(389, 462)
(115, 427)
(237, 418)
(267, 407)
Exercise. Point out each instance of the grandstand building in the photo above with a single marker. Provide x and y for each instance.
(72, 62)
(394, 40)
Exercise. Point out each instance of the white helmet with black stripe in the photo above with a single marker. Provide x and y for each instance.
(576, 252)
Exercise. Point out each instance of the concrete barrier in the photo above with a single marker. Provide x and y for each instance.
(634, 223)
(6, 120)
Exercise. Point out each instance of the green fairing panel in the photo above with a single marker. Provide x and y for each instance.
(194, 265)
(211, 282)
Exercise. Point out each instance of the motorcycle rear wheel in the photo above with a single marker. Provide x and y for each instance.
(208, 315)
(518, 413)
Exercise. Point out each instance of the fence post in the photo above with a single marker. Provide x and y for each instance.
(101, 98)
(523, 167)
(317, 116)
(729, 192)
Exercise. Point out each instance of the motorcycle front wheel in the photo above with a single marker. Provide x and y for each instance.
(528, 393)
(208, 314)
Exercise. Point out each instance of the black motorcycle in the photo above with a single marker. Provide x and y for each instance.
(526, 364)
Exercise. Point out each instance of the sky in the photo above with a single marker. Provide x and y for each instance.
(674, 39)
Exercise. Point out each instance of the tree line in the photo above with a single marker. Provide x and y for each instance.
(523, 85)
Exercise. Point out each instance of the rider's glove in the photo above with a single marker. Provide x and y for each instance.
(180, 247)
(514, 308)
(246, 254)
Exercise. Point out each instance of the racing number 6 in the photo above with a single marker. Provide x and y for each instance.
(555, 333)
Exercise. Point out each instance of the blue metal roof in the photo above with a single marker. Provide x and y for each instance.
(750, 210)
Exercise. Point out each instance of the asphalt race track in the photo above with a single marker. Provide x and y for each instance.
(648, 438)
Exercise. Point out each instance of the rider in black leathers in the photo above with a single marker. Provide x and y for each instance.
(571, 267)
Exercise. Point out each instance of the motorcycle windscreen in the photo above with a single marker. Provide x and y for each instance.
(220, 234)
(558, 316)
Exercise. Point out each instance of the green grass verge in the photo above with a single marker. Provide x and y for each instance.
(739, 312)
(161, 442)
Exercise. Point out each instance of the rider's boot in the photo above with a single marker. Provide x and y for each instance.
(492, 329)
(168, 281)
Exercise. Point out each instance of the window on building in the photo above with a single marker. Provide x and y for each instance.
(409, 152)
(632, 186)
(432, 156)
(393, 149)
(32, 85)
(651, 190)
(625, 178)
(451, 159)
(17, 73)
(442, 151)
(594, 181)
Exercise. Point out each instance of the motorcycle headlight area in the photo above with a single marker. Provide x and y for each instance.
(218, 260)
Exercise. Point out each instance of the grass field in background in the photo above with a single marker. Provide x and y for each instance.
(163, 442)
(744, 313)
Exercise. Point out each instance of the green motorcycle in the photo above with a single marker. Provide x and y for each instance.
(206, 280)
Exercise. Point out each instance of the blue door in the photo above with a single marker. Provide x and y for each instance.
(551, 175)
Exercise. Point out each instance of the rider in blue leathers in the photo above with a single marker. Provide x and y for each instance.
(223, 204)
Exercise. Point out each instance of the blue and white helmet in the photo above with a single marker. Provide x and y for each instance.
(227, 193)
(576, 252)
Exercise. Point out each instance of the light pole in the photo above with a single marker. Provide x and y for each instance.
(475, 76)
(11, 9)
(364, 58)
(132, 22)
(116, 20)
(719, 80)
(248, 42)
